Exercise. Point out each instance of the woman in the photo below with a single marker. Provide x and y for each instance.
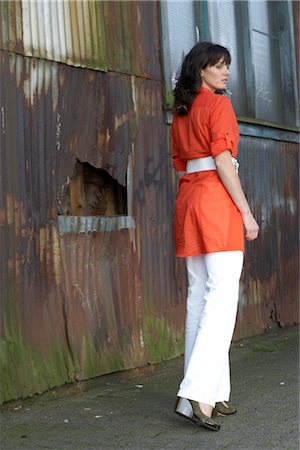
(211, 213)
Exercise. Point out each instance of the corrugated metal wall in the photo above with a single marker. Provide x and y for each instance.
(103, 35)
(270, 284)
(85, 296)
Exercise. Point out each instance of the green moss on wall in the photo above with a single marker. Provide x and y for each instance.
(26, 370)
(162, 341)
(99, 57)
(169, 99)
(94, 363)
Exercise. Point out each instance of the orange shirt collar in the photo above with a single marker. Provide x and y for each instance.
(204, 89)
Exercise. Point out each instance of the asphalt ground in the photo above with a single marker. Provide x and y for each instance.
(125, 412)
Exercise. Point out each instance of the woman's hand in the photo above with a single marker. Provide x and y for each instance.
(251, 226)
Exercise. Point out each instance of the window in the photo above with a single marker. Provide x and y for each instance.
(265, 44)
(180, 33)
(259, 35)
(180, 15)
(226, 28)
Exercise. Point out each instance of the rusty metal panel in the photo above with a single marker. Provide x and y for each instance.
(70, 32)
(33, 340)
(43, 130)
(80, 290)
(39, 106)
(270, 283)
(11, 28)
(132, 37)
(103, 310)
(96, 119)
(163, 302)
(117, 36)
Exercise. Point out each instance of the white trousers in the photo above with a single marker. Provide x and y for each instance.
(213, 287)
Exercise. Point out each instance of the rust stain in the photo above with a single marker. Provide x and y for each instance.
(103, 138)
(11, 266)
(119, 121)
(3, 216)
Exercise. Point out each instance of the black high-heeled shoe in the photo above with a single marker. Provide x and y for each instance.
(222, 409)
(191, 410)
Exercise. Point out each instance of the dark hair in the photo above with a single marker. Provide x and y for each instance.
(202, 55)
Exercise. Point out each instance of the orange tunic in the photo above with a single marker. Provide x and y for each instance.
(206, 218)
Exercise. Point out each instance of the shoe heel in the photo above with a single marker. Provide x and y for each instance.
(184, 408)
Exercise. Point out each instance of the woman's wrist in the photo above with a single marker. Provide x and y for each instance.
(246, 212)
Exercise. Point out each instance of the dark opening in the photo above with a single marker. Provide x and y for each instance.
(93, 192)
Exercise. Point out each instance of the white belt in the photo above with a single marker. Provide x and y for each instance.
(208, 163)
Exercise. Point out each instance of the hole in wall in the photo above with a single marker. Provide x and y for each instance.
(93, 192)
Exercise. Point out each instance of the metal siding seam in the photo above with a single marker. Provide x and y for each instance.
(3, 29)
(41, 51)
(128, 55)
(57, 51)
(49, 54)
(26, 24)
(35, 31)
(94, 34)
(11, 25)
(61, 30)
(87, 32)
(19, 28)
(81, 31)
(68, 33)
(102, 54)
(75, 37)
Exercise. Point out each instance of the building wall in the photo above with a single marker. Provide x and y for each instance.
(83, 296)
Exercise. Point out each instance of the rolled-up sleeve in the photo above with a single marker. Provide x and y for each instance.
(223, 127)
(178, 163)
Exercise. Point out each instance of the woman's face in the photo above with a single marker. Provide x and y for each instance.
(215, 77)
